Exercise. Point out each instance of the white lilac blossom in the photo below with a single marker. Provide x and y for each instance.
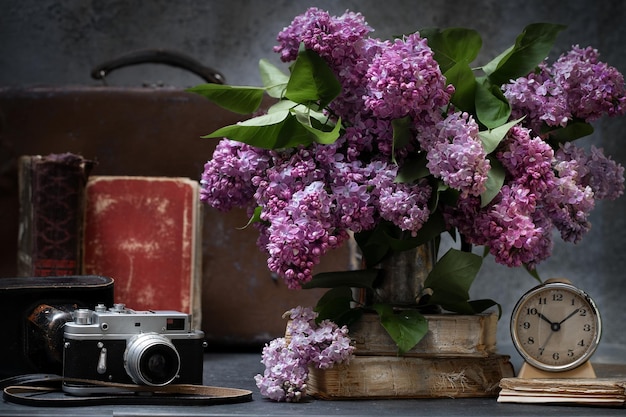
(311, 197)
(287, 359)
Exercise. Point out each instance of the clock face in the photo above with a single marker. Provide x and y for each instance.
(555, 327)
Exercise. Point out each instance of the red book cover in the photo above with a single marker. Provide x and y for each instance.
(144, 232)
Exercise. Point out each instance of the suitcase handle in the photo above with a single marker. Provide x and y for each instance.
(158, 56)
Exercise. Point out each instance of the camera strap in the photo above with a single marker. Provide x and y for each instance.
(45, 390)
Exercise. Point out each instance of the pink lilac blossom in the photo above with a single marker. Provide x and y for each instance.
(582, 179)
(405, 79)
(576, 86)
(538, 99)
(515, 232)
(342, 42)
(528, 160)
(455, 154)
(301, 233)
(602, 174)
(355, 203)
(569, 204)
(227, 178)
(287, 359)
(330, 36)
(592, 88)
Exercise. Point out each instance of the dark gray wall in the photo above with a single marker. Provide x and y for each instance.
(58, 42)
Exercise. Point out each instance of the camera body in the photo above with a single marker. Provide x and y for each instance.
(121, 345)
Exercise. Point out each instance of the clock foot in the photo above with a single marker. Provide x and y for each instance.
(530, 372)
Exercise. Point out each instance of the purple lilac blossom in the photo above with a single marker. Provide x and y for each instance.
(511, 226)
(287, 359)
(528, 160)
(592, 88)
(455, 154)
(342, 42)
(570, 203)
(301, 233)
(404, 79)
(602, 174)
(227, 178)
(538, 99)
(576, 86)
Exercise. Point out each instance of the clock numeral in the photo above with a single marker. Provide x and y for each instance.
(531, 311)
(531, 340)
(526, 325)
(541, 351)
(570, 352)
(557, 297)
(587, 327)
(556, 356)
(582, 312)
(543, 300)
(581, 343)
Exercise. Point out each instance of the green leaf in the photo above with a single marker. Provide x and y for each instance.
(374, 244)
(481, 305)
(312, 80)
(454, 49)
(274, 80)
(452, 277)
(495, 180)
(243, 100)
(533, 273)
(274, 130)
(256, 217)
(413, 169)
(317, 129)
(491, 138)
(573, 131)
(335, 305)
(453, 45)
(406, 327)
(401, 134)
(360, 278)
(434, 226)
(464, 81)
(493, 64)
(492, 107)
(531, 47)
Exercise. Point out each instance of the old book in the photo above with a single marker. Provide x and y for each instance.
(448, 335)
(51, 192)
(389, 377)
(145, 233)
(587, 391)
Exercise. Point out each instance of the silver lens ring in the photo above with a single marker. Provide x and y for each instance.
(151, 359)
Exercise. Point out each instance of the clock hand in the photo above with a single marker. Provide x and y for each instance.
(545, 343)
(541, 316)
(555, 327)
(570, 315)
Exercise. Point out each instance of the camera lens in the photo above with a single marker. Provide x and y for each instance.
(151, 359)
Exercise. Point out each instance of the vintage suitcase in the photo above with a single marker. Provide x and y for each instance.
(152, 132)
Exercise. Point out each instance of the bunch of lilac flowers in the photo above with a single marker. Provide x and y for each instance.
(312, 197)
(287, 360)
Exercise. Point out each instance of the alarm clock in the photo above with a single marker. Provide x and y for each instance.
(556, 328)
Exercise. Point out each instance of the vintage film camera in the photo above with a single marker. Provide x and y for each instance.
(121, 345)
